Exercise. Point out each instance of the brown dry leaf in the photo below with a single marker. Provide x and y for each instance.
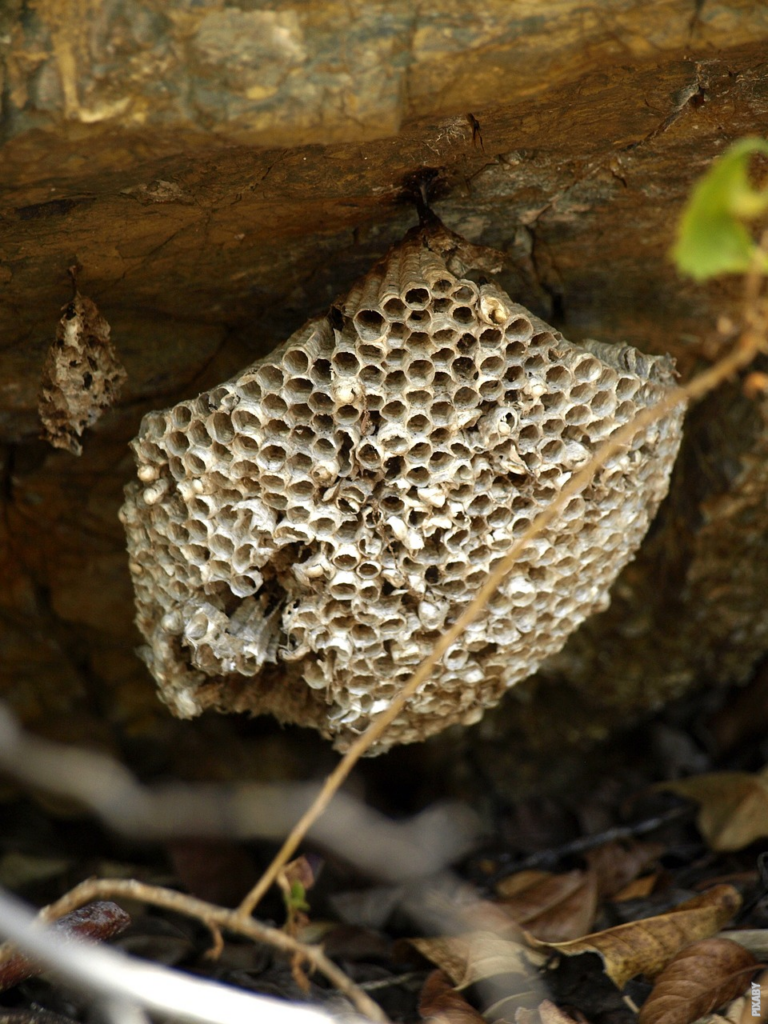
(475, 956)
(100, 920)
(513, 885)
(700, 978)
(479, 915)
(647, 946)
(638, 889)
(294, 880)
(551, 1014)
(299, 872)
(440, 1000)
(545, 1013)
(505, 969)
(734, 806)
(82, 375)
(554, 908)
(618, 864)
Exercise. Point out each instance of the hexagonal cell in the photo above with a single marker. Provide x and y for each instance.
(270, 377)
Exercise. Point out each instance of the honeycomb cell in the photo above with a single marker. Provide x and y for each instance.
(299, 536)
(394, 308)
(491, 390)
(417, 298)
(393, 440)
(419, 319)
(419, 423)
(296, 361)
(274, 406)
(577, 415)
(249, 388)
(272, 456)
(491, 337)
(465, 291)
(300, 462)
(419, 398)
(420, 371)
(420, 451)
(346, 363)
(395, 381)
(418, 475)
(321, 372)
(180, 416)
(603, 403)
(270, 377)
(297, 389)
(177, 443)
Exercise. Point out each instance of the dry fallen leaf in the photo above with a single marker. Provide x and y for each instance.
(618, 864)
(479, 915)
(100, 920)
(753, 939)
(700, 978)
(439, 1000)
(734, 806)
(554, 908)
(545, 1013)
(82, 375)
(294, 880)
(551, 1014)
(476, 956)
(298, 872)
(647, 946)
(503, 970)
(638, 889)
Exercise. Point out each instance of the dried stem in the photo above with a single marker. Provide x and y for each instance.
(215, 918)
(751, 341)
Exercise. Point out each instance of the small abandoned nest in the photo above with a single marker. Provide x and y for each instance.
(82, 375)
(300, 535)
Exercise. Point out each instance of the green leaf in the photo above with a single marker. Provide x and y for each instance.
(711, 237)
(298, 897)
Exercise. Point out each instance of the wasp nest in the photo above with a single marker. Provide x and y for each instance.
(300, 535)
(82, 375)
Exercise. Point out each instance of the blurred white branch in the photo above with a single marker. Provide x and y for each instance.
(216, 919)
(116, 980)
(392, 851)
(412, 854)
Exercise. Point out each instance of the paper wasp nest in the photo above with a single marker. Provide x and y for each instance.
(300, 535)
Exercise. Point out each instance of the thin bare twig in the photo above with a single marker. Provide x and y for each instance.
(215, 918)
(751, 341)
(549, 859)
(125, 984)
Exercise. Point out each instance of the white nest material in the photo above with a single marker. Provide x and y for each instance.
(300, 535)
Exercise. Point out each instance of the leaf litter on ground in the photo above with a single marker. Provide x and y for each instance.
(733, 806)
(701, 977)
